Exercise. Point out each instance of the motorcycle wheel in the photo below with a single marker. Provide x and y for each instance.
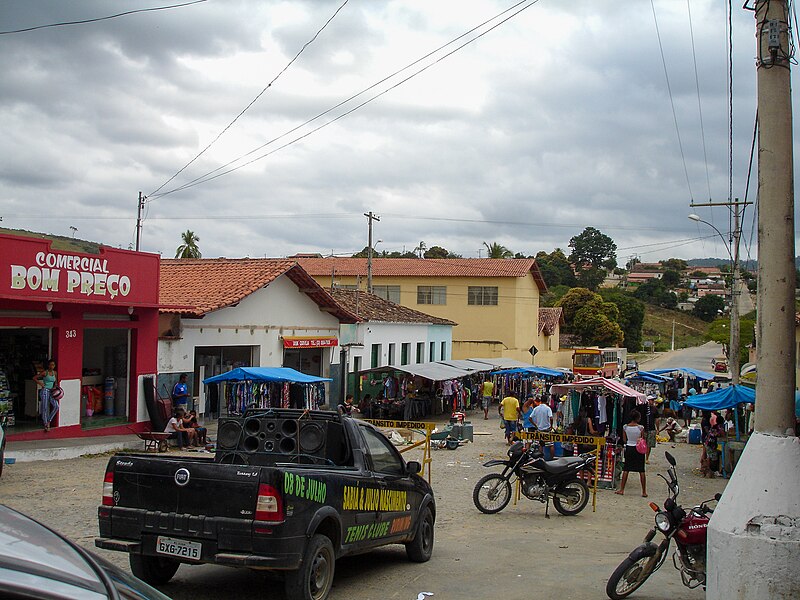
(571, 497)
(491, 494)
(630, 574)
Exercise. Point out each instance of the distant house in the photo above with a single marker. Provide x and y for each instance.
(550, 322)
(639, 277)
(388, 334)
(494, 301)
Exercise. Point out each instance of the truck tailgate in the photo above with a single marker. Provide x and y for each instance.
(186, 487)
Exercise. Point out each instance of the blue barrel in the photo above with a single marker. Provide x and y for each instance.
(559, 449)
(695, 436)
(108, 396)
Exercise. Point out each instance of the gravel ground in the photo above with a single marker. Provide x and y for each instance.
(516, 553)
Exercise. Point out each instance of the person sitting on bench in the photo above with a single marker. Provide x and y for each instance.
(178, 432)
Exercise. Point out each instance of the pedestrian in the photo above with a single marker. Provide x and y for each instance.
(347, 407)
(180, 392)
(47, 381)
(527, 414)
(672, 428)
(487, 390)
(509, 411)
(542, 418)
(650, 425)
(686, 410)
(634, 460)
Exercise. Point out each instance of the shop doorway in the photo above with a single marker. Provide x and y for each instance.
(217, 360)
(23, 353)
(305, 360)
(104, 379)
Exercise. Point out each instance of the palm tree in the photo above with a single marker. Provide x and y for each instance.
(495, 250)
(188, 249)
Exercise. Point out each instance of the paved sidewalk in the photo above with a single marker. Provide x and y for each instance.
(64, 448)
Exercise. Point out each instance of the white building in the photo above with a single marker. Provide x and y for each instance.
(217, 314)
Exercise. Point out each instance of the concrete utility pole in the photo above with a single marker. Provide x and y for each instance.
(370, 219)
(754, 534)
(139, 209)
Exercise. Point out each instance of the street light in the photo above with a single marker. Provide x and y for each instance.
(733, 354)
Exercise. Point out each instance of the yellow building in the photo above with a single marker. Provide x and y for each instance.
(494, 301)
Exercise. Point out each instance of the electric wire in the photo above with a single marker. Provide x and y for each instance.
(254, 100)
(748, 244)
(671, 101)
(94, 20)
(699, 103)
(220, 171)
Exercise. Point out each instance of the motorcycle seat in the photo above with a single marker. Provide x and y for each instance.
(560, 465)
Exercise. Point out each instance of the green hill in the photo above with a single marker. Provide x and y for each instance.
(60, 242)
(689, 330)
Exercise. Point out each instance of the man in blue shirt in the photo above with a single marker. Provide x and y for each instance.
(180, 393)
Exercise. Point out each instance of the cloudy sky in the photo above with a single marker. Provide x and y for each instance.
(556, 119)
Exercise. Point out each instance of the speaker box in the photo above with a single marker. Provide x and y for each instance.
(312, 437)
(229, 432)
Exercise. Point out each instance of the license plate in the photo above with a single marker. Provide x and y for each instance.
(178, 548)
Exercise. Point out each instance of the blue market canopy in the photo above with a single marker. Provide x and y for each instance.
(701, 375)
(648, 376)
(544, 371)
(266, 374)
(723, 398)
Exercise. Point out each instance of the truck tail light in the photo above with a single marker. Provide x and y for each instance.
(108, 488)
(269, 505)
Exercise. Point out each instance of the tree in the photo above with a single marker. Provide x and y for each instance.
(572, 302)
(555, 268)
(495, 250)
(436, 252)
(591, 278)
(719, 331)
(631, 317)
(671, 279)
(654, 292)
(595, 328)
(553, 295)
(594, 248)
(708, 307)
(674, 264)
(188, 249)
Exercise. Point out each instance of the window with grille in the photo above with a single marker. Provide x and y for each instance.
(431, 294)
(478, 295)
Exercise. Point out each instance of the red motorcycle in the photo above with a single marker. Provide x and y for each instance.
(688, 529)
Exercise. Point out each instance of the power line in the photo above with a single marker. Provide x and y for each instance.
(699, 104)
(94, 20)
(671, 101)
(219, 171)
(254, 100)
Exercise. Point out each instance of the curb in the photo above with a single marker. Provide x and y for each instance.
(64, 453)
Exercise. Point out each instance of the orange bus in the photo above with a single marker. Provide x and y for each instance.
(594, 362)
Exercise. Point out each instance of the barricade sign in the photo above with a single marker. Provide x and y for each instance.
(566, 438)
(421, 426)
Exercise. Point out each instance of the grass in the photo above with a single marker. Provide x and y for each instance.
(689, 330)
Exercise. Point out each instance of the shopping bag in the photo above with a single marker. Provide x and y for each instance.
(641, 446)
(502, 423)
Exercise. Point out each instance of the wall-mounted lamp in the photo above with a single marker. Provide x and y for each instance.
(49, 307)
(130, 310)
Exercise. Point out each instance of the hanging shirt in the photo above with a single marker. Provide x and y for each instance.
(602, 415)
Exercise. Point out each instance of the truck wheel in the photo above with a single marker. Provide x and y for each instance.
(313, 580)
(154, 570)
(421, 547)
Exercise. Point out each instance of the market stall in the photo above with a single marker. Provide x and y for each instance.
(268, 387)
(607, 403)
(524, 381)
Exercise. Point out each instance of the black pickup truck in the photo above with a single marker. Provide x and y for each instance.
(288, 490)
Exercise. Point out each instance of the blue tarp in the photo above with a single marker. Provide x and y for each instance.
(701, 375)
(649, 376)
(723, 398)
(266, 374)
(533, 370)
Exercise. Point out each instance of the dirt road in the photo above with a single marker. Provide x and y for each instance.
(515, 554)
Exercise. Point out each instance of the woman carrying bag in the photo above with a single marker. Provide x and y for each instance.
(635, 450)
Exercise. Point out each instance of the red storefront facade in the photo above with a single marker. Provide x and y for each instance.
(96, 315)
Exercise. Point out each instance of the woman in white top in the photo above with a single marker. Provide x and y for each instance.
(634, 460)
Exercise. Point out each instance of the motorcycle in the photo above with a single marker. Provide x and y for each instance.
(688, 529)
(539, 480)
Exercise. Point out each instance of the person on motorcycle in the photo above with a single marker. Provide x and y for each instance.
(509, 411)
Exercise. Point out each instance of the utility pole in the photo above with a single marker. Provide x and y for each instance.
(736, 208)
(139, 210)
(672, 348)
(754, 536)
(370, 219)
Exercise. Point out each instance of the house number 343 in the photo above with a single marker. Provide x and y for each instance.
(71, 333)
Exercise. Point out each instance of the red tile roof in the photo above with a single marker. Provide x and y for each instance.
(195, 287)
(370, 307)
(549, 319)
(425, 267)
